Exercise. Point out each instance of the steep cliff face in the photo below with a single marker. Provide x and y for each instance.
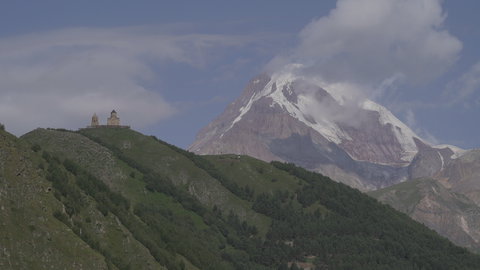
(318, 126)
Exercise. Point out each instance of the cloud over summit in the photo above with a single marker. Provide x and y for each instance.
(372, 41)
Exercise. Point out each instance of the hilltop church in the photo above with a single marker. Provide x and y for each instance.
(112, 122)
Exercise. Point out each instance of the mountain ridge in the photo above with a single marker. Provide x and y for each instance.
(111, 180)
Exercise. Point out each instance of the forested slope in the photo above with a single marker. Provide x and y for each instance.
(140, 203)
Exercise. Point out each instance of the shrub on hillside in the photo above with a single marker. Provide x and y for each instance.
(36, 148)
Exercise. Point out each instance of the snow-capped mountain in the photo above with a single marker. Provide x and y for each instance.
(316, 125)
(322, 127)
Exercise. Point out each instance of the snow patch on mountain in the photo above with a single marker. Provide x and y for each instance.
(306, 102)
(281, 81)
(243, 110)
(441, 158)
(404, 134)
(326, 128)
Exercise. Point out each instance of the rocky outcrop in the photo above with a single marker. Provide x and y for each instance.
(429, 161)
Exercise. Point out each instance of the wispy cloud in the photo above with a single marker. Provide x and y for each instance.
(462, 89)
(462, 92)
(60, 78)
(411, 121)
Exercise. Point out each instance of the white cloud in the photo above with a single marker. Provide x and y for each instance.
(411, 122)
(59, 78)
(463, 88)
(372, 41)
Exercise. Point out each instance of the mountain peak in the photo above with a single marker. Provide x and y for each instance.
(342, 128)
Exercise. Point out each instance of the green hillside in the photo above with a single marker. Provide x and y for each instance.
(135, 202)
(30, 236)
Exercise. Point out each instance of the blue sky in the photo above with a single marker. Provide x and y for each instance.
(170, 67)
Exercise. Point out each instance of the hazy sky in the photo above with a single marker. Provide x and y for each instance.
(170, 67)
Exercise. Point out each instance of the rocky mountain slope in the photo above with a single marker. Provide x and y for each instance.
(116, 199)
(462, 175)
(428, 201)
(445, 195)
(355, 141)
(317, 126)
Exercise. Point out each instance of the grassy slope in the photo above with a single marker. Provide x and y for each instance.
(118, 176)
(30, 237)
(260, 176)
(183, 171)
(163, 160)
(126, 180)
(407, 195)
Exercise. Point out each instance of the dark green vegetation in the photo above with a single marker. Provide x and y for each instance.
(134, 202)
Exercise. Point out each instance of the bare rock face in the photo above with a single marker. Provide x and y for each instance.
(445, 195)
(462, 175)
(426, 200)
(429, 161)
(382, 147)
(294, 119)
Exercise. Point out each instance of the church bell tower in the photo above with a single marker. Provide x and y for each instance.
(95, 120)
